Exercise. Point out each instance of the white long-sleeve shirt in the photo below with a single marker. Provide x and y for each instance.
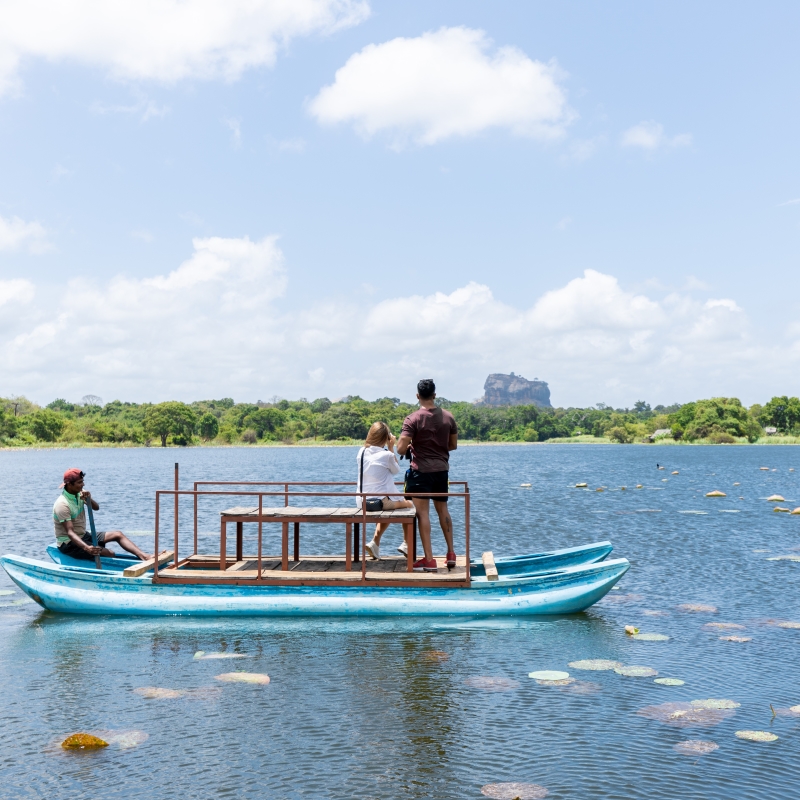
(380, 467)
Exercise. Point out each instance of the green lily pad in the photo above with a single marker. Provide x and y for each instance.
(756, 736)
(669, 681)
(549, 675)
(595, 664)
(514, 791)
(695, 747)
(636, 671)
(651, 637)
(715, 704)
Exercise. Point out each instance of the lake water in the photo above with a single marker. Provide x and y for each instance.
(392, 709)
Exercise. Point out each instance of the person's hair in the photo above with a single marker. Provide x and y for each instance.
(426, 388)
(378, 435)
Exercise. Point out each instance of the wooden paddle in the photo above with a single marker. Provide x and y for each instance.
(94, 533)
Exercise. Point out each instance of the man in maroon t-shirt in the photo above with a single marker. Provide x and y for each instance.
(431, 433)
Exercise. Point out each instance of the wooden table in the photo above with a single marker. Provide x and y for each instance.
(352, 518)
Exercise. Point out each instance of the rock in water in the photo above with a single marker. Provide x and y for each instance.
(775, 498)
(716, 493)
(83, 741)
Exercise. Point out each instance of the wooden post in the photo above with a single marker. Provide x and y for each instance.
(260, 528)
(489, 566)
(155, 569)
(176, 514)
(413, 547)
(297, 541)
(239, 537)
(285, 547)
(356, 540)
(408, 533)
(195, 518)
(223, 545)
(348, 547)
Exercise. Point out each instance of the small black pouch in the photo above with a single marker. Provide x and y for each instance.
(374, 504)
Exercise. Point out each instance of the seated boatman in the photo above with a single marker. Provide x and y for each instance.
(69, 518)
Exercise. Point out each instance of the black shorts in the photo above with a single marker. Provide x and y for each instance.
(71, 549)
(436, 482)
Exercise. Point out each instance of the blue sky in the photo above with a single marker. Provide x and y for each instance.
(333, 197)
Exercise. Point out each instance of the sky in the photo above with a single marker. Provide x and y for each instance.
(307, 198)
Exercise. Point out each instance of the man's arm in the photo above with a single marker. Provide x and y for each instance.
(452, 443)
(78, 542)
(403, 443)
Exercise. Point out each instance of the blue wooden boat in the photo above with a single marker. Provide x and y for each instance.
(531, 564)
(86, 590)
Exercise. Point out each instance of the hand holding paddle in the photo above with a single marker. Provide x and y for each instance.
(94, 532)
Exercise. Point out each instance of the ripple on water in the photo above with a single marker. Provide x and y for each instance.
(514, 791)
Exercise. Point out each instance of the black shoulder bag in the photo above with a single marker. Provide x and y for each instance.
(374, 503)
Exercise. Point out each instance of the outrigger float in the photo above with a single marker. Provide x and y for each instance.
(288, 584)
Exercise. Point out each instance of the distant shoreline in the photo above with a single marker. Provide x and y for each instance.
(592, 440)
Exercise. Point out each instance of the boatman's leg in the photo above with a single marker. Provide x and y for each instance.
(126, 544)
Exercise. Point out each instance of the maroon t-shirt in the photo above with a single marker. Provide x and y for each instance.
(429, 430)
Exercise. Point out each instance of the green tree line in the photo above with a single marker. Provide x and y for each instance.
(717, 420)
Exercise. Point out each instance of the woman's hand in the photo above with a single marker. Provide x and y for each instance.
(391, 443)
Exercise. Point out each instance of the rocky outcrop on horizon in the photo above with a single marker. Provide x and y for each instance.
(514, 390)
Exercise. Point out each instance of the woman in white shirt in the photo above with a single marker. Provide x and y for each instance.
(376, 469)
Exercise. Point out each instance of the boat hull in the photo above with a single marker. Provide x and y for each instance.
(80, 590)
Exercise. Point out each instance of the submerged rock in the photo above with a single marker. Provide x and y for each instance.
(595, 664)
(487, 683)
(685, 715)
(83, 741)
(695, 747)
(435, 655)
(243, 677)
(669, 681)
(697, 608)
(716, 493)
(724, 626)
(736, 638)
(776, 498)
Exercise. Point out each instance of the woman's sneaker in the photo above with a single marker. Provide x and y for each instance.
(403, 548)
(373, 548)
(451, 559)
(425, 566)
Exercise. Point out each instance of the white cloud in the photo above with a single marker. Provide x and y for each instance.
(143, 107)
(790, 202)
(162, 40)
(649, 135)
(442, 84)
(16, 234)
(218, 325)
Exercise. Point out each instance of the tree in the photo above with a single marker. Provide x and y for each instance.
(782, 412)
(170, 418)
(264, 420)
(92, 400)
(209, 426)
(45, 424)
(340, 422)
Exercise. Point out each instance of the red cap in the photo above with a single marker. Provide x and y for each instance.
(71, 475)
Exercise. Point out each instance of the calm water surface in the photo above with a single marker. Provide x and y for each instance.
(361, 709)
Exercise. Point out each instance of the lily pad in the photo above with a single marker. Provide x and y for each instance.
(782, 509)
(243, 677)
(594, 664)
(549, 675)
(636, 671)
(724, 626)
(157, 693)
(669, 681)
(201, 655)
(524, 486)
(698, 608)
(736, 638)
(514, 791)
(558, 682)
(791, 625)
(756, 736)
(684, 715)
(715, 704)
(695, 747)
(83, 741)
(487, 683)
(651, 637)
(795, 709)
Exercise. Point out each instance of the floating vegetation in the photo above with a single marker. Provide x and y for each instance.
(6, 592)
(487, 683)
(580, 687)
(157, 693)
(514, 791)
(124, 739)
(737, 484)
(764, 469)
(756, 736)
(631, 630)
(781, 509)
(784, 558)
(83, 741)
(639, 486)
(581, 485)
(549, 675)
(243, 677)
(795, 709)
(435, 655)
(724, 626)
(600, 489)
(595, 664)
(669, 681)
(695, 747)
(736, 638)
(201, 655)
(698, 608)
(622, 598)
(636, 671)
(699, 513)
(651, 613)
(651, 637)
(524, 486)
(716, 493)
(685, 715)
(713, 703)
(675, 472)
(789, 624)
(559, 682)
(775, 498)
(796, 510)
